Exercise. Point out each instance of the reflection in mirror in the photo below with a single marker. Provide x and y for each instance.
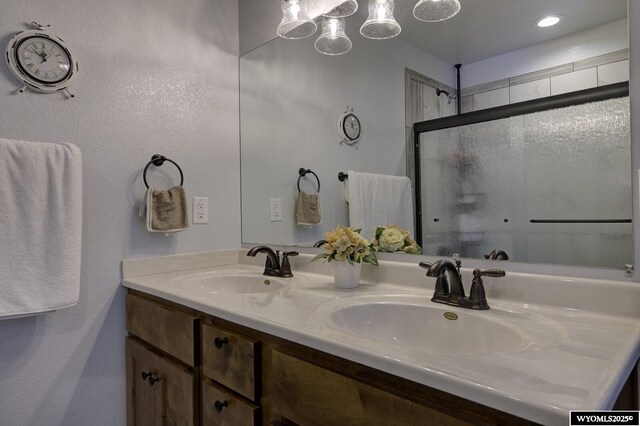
(291, 97)
(549, 186)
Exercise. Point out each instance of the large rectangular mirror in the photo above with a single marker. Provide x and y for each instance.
(291, 97)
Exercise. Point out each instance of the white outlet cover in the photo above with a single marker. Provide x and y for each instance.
(200, 210)
(276, 209)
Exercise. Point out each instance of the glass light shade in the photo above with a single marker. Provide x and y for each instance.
(333, 40)
(344, 9)
(295, 23)
(436, 10)
(380, 24)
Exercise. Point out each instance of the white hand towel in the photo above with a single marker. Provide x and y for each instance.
(40, 226)
(378, 200)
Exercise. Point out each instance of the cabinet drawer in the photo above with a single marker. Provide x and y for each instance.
(230, 359)
(159, 391)
(168, 330)
(310, 395)
(223, 408)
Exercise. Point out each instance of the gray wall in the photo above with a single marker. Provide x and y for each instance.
(156, 76)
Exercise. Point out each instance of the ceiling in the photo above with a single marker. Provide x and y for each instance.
(482, 29)
(487, 28)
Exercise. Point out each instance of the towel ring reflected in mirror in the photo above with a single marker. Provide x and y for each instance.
(158, 160)
(302, 172)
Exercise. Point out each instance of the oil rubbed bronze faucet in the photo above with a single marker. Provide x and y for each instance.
(497, 254)
(449, 288)
(272, 266)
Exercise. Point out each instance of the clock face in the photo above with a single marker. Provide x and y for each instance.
(351, 127)
(43, 59)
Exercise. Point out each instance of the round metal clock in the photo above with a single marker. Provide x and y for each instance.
(41, 61)
(349, 127)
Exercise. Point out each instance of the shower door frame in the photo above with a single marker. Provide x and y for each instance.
(610, 91)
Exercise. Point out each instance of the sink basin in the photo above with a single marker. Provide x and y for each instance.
(412, 321)
(231, 282)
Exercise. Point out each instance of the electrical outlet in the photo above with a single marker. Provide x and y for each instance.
(276, 210)
(200, 210)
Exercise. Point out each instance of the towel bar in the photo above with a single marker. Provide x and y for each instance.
(158, 160)
(303, 172)
(342, 176)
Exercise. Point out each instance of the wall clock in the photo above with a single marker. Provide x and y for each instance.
(349, 128)
(41, 61)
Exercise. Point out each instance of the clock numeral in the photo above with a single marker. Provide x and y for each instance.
(29, 65)
(37, 72)
(46, 74)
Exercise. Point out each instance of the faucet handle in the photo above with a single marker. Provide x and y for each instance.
(285, 268)
(497, 273)
(425, 265)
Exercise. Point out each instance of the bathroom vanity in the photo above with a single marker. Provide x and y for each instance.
(213, 341)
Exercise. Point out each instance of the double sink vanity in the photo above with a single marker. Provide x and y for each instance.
(214, 341)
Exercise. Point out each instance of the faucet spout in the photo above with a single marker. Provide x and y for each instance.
(439, 268)
(273, 260)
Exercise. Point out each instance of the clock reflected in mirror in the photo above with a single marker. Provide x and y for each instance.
(349, 128)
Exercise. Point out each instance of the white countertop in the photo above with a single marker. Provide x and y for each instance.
(583, 367)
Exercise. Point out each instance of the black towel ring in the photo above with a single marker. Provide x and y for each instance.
(158, 160)
(303, 172)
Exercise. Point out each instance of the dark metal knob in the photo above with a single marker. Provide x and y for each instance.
(219, 342)
(149, 377)
(220, 405)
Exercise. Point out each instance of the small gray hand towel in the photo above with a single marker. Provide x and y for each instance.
(308, 210)
(167, 210)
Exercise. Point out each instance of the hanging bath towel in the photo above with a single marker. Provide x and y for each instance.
(378, 200)
(40, 227)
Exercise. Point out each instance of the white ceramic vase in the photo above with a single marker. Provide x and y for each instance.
(346, 275)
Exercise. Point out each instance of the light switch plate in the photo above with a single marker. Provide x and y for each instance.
(200, 210)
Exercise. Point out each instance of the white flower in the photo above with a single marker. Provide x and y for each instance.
(391, 239)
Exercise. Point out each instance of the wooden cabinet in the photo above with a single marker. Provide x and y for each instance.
(187, 368)
(223, 408)
(160, 355)
(310, 395)
(230, 359)
(159, 391)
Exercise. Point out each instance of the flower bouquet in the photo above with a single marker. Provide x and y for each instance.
(393, 238)
(349, 250)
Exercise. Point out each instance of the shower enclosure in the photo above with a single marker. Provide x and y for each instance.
(545, 180)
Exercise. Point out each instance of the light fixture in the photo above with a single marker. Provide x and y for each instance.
(333, 40)
(548, 21)
(380, 24)
(344, 9)
(436, 10)
(295, 22)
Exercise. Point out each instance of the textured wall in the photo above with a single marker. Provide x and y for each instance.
(156, 76)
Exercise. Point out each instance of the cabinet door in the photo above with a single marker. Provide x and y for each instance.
(159, 392)
(230, 359)
(312, 396)
(223, 408)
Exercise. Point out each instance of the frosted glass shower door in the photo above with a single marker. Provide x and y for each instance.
(497, 184)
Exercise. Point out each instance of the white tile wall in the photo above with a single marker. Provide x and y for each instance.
(532, 90)
(490, 99)
(574, 81)
(614, 72)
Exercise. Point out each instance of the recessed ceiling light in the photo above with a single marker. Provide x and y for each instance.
(548, 21)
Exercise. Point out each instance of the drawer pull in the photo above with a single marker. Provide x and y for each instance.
(149, 377)
(220, 405)
(220, 342)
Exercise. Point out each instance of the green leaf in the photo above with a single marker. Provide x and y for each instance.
(371, 258)
(321, 256)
